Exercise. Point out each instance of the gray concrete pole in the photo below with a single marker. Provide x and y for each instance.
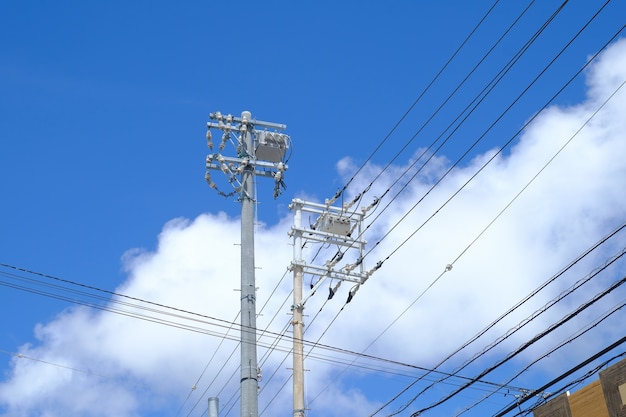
(214, 407)
(249, 370)
(298, 324)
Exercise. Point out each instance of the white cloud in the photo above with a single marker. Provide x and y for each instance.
(139, 366)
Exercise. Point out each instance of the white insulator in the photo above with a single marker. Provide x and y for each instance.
(371, 206)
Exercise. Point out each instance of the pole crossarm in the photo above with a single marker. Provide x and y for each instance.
(229, 118)
(237, 165)
(258, 152)
(322, 271)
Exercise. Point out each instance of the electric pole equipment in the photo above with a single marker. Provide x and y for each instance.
(334, 226)
(260, 151)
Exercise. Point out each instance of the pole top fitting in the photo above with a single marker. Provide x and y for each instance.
(246, 116)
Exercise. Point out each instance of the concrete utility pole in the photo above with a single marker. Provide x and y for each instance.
(214, 407)
(334, 226)
(297, 322)
(259, 152)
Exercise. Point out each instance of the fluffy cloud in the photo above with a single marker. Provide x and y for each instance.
(118, 366)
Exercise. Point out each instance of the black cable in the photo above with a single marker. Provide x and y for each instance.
(579, 334)
(192, 328)
(587, 63)
(508, 312)
(564, 375)
(475, 102)
(483, 231)
(527, 344)
(430, 84)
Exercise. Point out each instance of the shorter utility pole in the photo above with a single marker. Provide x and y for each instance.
(214, 407)
(333, 226)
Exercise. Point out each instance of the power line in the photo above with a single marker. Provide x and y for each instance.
(504, 146)
(486, 91)
(527, 344)
(328, 348)
(508, 312)
(476, 102)
(506, 207)
(420, 96)
(559, 378)
(449, 266)
(577, 335)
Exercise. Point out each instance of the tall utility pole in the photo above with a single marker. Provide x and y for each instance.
(259, 152)
(334, 226)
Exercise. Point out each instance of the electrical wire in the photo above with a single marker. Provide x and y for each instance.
(328, 348)
(578, 381)
(501, 74)
(449, 266)
(501, 149)
(484, 93)
(203, 319)
(418, 99)
(527, 344)
(572, 338)
(564, 375)
(508, 312)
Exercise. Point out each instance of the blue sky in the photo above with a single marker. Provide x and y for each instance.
(103, 111)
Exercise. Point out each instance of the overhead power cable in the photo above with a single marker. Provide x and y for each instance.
(561, 377)
(484, 93)
(578, 334)
(504, 146)
(330, 349)
(508, 312)
(569, 385)
(525, 345)
(475, 103)
(449, 266)
(417, 100)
